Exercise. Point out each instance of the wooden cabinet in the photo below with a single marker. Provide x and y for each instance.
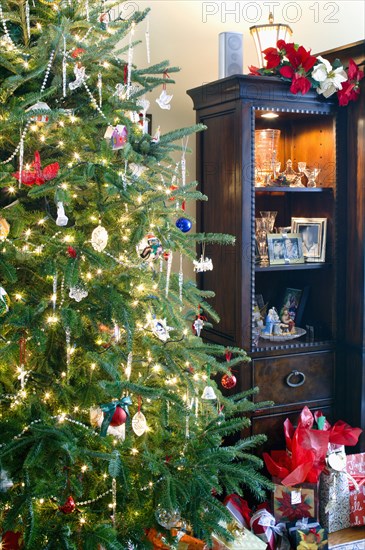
(293, 372)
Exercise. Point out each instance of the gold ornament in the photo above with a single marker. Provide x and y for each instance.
(4, 229)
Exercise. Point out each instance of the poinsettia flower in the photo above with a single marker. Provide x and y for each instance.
(300, 58)
(273, 58)
(254, 70)
(330, 79)
(300, 83)
(292, 512)
(353, 71)
(350, 89)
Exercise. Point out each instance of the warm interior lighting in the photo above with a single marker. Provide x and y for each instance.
(266, 36)
(270, 115)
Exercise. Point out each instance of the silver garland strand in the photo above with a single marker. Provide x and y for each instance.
(15, 152)
(94, 102)
(48, 70)
(68, 346)
(87, 10)
(6, 31)
(114, 499)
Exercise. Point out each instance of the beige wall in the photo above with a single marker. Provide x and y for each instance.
(186, 33)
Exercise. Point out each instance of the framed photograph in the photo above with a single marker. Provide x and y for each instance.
(292, 305)
(285, 248)
(314, 235)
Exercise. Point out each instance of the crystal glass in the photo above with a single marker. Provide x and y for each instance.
(261, 238)
(270, 216)
(266, 148)
(311, 174)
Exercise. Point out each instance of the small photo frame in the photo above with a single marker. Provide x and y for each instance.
(285, 248)
(292, 304)
(314, 235)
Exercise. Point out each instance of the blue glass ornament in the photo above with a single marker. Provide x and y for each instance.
(183, 224)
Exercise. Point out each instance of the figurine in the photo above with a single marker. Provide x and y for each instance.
(272, 322)
(291, 177)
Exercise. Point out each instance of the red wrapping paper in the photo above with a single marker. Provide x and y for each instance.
(355, 466)
(307, 448)
(262, 524)
(239, 509)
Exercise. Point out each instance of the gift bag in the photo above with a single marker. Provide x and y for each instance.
(292, 503)
(334, 501)
(355, 466)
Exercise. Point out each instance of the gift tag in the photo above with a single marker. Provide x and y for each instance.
(337, 461)
(139, 423)
(296, 496)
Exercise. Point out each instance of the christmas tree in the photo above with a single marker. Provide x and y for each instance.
(110, 421)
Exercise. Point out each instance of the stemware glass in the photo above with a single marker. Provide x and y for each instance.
(261, 238)
(269, 216)
(311, 174)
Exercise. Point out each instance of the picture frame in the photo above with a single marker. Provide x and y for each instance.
(293, 301)
(285, 248)
(314, 237)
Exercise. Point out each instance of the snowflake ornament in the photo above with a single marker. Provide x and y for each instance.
(203, 264)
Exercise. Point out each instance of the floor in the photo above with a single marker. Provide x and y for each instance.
(347, 535)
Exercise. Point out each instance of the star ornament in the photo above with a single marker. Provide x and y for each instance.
(160, 329)
(36, 175)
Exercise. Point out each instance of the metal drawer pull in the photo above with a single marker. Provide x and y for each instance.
(295, 373)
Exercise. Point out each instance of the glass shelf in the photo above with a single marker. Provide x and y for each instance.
(283, 189)
(292, 267)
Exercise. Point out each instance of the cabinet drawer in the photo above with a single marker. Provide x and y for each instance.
(294, 378)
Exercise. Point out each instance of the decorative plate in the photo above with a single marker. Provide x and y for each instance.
(283, 337)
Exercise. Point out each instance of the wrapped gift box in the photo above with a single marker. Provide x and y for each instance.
(244, 540)
(334, 501)
(292, 503)
(307, 534)
(355, 466)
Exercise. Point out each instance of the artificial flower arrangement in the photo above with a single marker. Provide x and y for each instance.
(295, 64)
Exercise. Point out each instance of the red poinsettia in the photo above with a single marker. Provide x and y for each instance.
(254, 70)
(274, 56)
(77, 52)
(300, 62)
(350, 89)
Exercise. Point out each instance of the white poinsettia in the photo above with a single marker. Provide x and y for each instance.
(330, 79)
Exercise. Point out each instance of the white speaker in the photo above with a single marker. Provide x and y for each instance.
(230, 54)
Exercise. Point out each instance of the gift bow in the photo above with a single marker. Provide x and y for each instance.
(303, 524)
(109, 410)
(268, 520)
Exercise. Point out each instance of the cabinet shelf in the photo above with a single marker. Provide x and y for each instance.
(292, 267)
(283, 189)
(301, 344)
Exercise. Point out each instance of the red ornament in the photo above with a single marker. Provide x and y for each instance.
(173, 188)
(119, 417)
(69, 506)
(77, 52)
(10, 540)
(36, 175)
(71, 252)
(228, 355)
(228, 381)
(166, 255)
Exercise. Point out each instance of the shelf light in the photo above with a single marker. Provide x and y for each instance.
(270, 115)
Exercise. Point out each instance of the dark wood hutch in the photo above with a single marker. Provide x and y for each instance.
(330, 360)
